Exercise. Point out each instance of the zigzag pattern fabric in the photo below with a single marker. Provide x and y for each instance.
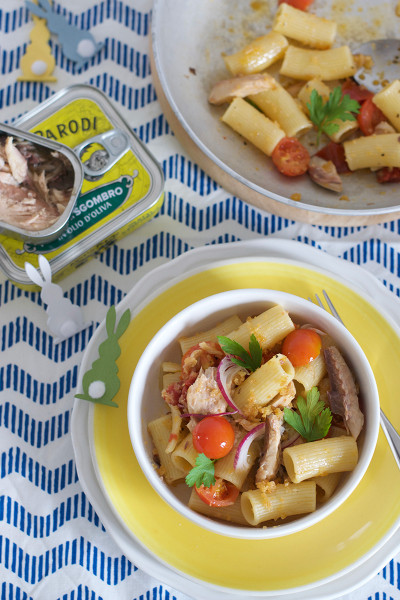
(53, 546)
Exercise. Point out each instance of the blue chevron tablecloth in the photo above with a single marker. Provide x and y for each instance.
(53, 545)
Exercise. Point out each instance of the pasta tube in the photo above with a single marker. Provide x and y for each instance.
(225, 470)
(258, 55)
(326, 485)
(160, 431)
(311, 374)
(313, 459)
(169, 378)
(211, 335)
(388, 100)
(264, 384)
(270, 327)
(232, 513)
(280, 106)
(373, 151)
(184, 456)
(310, 30)
(253, 125)
(279, 503)
(336, 63)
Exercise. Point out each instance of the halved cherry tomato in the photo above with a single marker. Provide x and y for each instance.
(355, 91)
(335, 153)
(213, 436)
(369, 117)
(290, 157)
(301, 346)
(388, 175)
(222, 493)
(300, 4)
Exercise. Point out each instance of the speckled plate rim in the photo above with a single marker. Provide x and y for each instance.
(269, 248)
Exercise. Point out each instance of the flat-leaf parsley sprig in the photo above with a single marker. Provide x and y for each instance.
(202, 473)
(314, 420)
(337, 107)
(250, 360)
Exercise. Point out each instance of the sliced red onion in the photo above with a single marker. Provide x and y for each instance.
(202, 415)
(225, 374)
(241, 452)
(291, 439)
(307, 326)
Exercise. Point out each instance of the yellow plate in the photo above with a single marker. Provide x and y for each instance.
(337, 543)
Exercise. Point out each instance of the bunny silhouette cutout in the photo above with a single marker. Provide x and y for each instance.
(101, 383)
(77, 45)
(64, 318)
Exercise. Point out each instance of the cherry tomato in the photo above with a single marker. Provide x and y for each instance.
(222, 493)
(388, 175)
(301, 346)
(355, 91)
(335, 153)
(369, 117)
(213, 436)
(300, 4)
(290, 157)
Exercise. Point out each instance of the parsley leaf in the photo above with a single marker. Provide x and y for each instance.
(314, 420)
(248, 360)
(336, 108)
(203, 472)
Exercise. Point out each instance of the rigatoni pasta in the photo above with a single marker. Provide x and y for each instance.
(211, 335)
(270, 327)
(373, 151)
(281, 502)
(160, 431)
(278, 105)
(310, 30)
(322, 457)
(311, 374)
(388, 101)
(263, 385)
(304, 64)
(258, 55)
(253, 125)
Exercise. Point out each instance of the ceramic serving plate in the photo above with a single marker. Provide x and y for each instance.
(184, 78)
(332, 551)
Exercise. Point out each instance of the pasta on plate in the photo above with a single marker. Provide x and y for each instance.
(262, 419)
(309, 89)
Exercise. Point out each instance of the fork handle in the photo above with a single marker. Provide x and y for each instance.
(392, 436)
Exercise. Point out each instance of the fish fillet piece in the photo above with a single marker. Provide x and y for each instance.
(18, 163)
(324, 173)
(25, 209)
(227, 89)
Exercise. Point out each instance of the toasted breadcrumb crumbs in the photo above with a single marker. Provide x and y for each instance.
(266, 487)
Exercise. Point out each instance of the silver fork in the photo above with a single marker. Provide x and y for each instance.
(392, 435)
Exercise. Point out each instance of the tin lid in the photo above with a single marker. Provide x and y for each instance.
(30, 120)
(40, 180)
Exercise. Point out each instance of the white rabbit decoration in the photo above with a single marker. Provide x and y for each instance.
(64, 318)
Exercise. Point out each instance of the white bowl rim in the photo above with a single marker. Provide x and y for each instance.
(220, 301)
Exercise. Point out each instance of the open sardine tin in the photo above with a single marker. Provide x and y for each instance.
(122, 185)
(40, 180)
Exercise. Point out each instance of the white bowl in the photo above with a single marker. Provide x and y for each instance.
(145, 402)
